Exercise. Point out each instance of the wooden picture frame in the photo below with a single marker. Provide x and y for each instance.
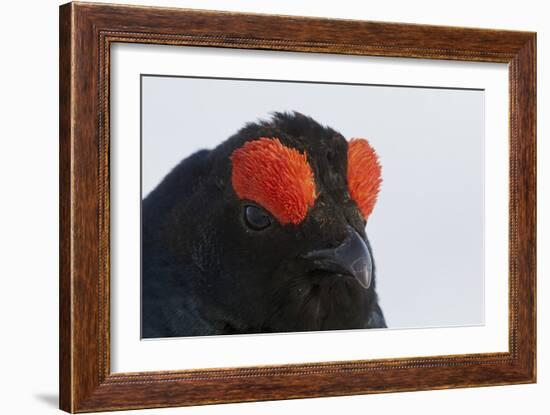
(86, 33)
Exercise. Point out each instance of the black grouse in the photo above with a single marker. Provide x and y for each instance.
(264, 233)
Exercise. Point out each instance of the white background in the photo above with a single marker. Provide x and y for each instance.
(129, 354)
(28, 222)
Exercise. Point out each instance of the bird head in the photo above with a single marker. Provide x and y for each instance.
(273, 227)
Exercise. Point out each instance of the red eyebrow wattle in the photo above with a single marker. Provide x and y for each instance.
(276, 177)
(364, 175)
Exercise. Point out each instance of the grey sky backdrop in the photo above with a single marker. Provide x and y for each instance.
(427, 227)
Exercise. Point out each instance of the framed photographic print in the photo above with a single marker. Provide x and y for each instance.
(258, 207)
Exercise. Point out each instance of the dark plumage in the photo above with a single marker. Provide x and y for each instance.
(208, 268)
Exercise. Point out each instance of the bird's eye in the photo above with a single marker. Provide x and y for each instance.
(256, 218)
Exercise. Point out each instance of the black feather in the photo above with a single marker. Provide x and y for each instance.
(204, 272)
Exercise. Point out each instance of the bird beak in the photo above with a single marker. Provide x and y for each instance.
(351, 257)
